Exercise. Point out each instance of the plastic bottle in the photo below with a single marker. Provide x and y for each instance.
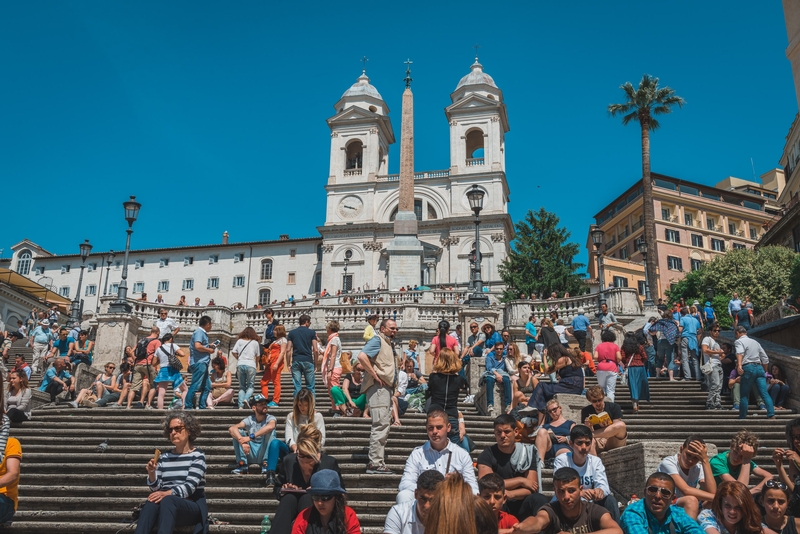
(266, 524)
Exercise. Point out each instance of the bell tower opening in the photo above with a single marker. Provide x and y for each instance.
(355, 154)
(474, 145)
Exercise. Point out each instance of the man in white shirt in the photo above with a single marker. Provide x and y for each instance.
(409, 517)
(688, 469)
(590, 468)
(751, 364)
(439, 454)
(166, 325)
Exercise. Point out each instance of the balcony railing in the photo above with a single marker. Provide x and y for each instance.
(636, 226)
(417, 176)
(474, 162)
(352, 172)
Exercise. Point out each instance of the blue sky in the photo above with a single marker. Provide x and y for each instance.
(213, 113)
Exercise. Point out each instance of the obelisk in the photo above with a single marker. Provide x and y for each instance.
(405, 250)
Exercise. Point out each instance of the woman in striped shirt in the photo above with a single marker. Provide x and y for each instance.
(177, 481)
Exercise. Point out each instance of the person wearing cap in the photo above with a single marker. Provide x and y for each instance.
(581, 328)
(251, 437)
(330, 504)
(40, 339)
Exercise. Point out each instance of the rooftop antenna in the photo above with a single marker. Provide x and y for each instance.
(476, 47)
(364, 62)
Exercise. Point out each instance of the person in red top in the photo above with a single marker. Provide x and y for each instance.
(492, 489)
(330, 513)
(443, 340)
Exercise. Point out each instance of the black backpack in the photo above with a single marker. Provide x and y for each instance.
(141, 349)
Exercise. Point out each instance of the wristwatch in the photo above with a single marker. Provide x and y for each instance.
(252, 436)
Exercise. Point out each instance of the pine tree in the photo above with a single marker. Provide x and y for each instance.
(541, 259)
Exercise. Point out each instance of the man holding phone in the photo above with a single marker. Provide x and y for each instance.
(199, 359)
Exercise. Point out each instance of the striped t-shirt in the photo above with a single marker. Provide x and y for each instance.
(184, 474)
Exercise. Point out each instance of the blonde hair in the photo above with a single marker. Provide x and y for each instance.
(516, 356)
(453, 507)
(344, 359)
(412, 344)
(304, 395)
(309, 441)
(447, 362)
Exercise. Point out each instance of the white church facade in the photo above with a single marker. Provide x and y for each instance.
(362, 199)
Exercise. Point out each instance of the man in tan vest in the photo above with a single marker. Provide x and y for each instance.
(378, 359)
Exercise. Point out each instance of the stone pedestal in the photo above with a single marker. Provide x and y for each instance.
(114, 333)
(405, 261)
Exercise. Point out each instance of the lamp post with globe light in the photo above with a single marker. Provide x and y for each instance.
(641, 245)
(121, 304)
(478, 298)
(75, 312)
(597, 240)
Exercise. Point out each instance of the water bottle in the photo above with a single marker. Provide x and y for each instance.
(266, 524)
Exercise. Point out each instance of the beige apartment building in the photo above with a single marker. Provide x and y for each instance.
(693, 223)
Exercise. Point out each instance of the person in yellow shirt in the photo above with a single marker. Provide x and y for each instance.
(369, 331)
(9, 479)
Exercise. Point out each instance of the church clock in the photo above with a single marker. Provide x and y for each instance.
(350, 207)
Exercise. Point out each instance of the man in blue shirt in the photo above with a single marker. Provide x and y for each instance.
(40, 338)
(654, 514)
(302, 351)
(734, 305)
(581, 328)
(689, 361)
(530, 335)
(57, 380)
(496, 371)
(63, 345)
(199, 361)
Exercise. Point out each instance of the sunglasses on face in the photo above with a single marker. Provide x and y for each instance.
(652, 490)
(304, 457)
(321, 498)
(178, 429)
(776, 484)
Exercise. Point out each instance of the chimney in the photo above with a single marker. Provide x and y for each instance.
(284, 237)
(225, 237)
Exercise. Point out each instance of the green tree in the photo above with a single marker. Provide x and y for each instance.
(541, 259)
(794, 277)
(640, 106)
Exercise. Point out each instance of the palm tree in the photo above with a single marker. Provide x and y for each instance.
(642, 103)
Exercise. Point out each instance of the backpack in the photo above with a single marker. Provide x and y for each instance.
(141, 349)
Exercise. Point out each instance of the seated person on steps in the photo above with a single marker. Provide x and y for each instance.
(606, 435)
(654, 514)
(409, 517)
(689, 468)
(251, 437)
(737, 463)
(492, 489)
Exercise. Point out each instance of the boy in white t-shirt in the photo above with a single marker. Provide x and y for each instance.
(689, 469)
(713, 354)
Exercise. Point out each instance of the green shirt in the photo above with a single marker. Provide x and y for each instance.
(721, 466)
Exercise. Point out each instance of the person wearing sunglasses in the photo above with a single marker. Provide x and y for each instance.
(330, 513)
(177, 480)
(775, 501)
(655, 514)
(733, 511)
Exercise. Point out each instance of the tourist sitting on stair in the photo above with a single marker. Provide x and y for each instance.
(552, 438)
(497, 371)
(348, 398)
(691, 468)
(112, 392)
(734, 384)
(437, 453)
(733, 511)
(591, 470)
(89, 396)
(609, 432)
(297, 471)
(251, 437)
(63, 345)
(569, 511)
(737, 462)
(517, 464)
(654, 514)
(177, 480)
(127, 391)
(492, 489)
(57, 381)
(571, 380)
(775, 501)
(18, 398)
(330, 513)
(82, 352)
(303, 413)
(409, 517)
(221, 390)
(21, 365)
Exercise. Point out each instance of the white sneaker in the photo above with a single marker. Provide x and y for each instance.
(469, 399)
(490, 411)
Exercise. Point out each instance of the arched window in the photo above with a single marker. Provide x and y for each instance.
(355, 151)
(318, 282)
(24, 263)
(319, 252)
(266, 269)
(431, 212)
(474, 143)
(264, 297)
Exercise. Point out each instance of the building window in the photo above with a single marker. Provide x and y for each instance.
(188, 284)
(753, 233)
(347, 282)
(239, 256)
(674, 264)
(138, 287)
(697, 241)
(163, 262)
(65, 269)
(138, 264)
(293, 253)
(642, 290)
(319, 252)
(91, 267)
(623, 253)
(291, 278)
(718, 245)
(739, 246)
(688, 219)
(710, 224)
(620, 281)
(114, 289)
(213, 259)
(38, 271)
(732, 228)
(117, 265)
(264, 297)
(213, 283)
(696, 264)
(91, 290)
(238, 281)
(188, 260)
(318, 282)
(24, 263)
(64, 291)
(665, 214)
(266, 269)
(673, 236)
(418, 209)
(163, 286)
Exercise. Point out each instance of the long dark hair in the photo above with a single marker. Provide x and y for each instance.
(444, 328)
(337, 518)
(630, 345)
(750, 523)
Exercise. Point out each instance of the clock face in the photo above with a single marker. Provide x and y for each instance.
(350, 207)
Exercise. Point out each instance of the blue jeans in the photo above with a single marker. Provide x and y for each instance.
(6, 509)
(276, 450)
(200, 382)
(490, 380)
(651, 360)
(778, 393)
(258, 449)
(690, 362)
(307, 370)
(663, 353)
(463, 370)
(247, 377)
(754, 374)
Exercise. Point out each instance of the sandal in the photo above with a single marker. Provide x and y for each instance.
(397, 423)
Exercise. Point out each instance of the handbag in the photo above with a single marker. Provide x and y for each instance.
(173, 360)
(707, 368)
(625, 373)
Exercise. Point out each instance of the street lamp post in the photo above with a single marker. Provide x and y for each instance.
(641, 244)
(109, 258)
(597, 240)
(75, 314)
(121, 304)
(478, 298)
